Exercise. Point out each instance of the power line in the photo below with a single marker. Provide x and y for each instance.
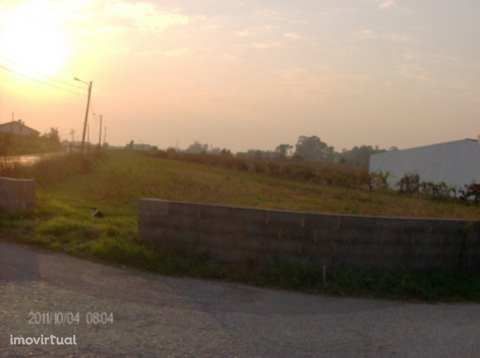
(40, 81)
(64, 83)
(9, 63)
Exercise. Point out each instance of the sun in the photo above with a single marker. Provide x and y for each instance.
(33, 39)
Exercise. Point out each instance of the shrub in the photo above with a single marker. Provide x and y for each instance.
(471, 193)
(378, 181)
(437, 191)
(409, 184)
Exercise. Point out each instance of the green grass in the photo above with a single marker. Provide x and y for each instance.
(122, 177)
(69, 188)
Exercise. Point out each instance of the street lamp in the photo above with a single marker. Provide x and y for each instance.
(85, 122)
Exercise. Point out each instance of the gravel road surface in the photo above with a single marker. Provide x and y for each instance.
(156, 316)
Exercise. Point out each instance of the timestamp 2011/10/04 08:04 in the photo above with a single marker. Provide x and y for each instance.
(71, 318)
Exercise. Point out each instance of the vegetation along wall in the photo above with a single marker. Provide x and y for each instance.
(236, 235)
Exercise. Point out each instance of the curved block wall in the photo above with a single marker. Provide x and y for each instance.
(233, 235)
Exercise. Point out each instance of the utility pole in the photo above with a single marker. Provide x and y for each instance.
(85, 122)
(88, 135)
(104, 135)
(100, 133)
(72, 140)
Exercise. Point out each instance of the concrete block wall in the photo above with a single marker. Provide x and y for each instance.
(244, 235)
(17, 195)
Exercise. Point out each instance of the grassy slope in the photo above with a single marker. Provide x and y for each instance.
(63, 220)
(121, 178)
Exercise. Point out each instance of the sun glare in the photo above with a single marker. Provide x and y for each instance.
(33, 39)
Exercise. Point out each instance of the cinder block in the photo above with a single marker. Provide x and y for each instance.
(17, 195)
(241, 235)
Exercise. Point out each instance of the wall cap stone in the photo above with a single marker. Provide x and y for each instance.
(324, 214)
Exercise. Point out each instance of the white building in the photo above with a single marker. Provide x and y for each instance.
(18, 128)
(456, 163)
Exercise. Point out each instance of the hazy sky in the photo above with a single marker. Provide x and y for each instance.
(248, 74)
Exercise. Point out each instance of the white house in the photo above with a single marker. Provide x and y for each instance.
(456, 163)
(18, 128)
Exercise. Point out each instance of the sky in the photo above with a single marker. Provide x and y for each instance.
(245, 74)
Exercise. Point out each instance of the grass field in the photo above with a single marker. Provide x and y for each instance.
(69, 189)
(120, 178)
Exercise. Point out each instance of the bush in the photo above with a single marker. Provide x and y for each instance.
(437, 191)
(409, 184)
(378, 181)
(471, 193)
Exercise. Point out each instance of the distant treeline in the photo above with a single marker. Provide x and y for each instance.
(12, 144)
(308, 148)
(310, 160)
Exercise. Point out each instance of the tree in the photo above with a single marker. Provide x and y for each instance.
(284, 150)
(219, 151)
(6, 140)
(130, 145)
(312, 148)
(359, 156)
(197, 148)
(53, 136)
